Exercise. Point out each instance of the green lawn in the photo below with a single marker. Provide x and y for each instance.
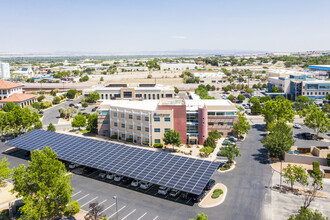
(84, 131)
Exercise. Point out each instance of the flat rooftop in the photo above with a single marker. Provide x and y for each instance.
(148, 105)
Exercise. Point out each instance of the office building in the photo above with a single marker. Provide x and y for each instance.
(179, 66)
(5, 71)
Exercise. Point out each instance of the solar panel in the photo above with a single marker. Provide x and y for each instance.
(165, 169)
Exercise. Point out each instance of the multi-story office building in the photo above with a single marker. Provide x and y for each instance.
(299, 85)
(140, 92)
(5, 71)
(146, 121)
(179, 66)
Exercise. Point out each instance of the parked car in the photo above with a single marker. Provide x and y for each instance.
(145, 185)
(228, 142)
(88, 170)
(118, 178)
(308, 136)
(174, 193)
(110, 176)
(226, 92)
(127, 180)
(135, 183)
(209, 184)
(73, 165)
(71, 105)
(233, 139)
(102, 175)
(199, 197)
(41, 112)
(185, 195)
(297, 126)
(162, 190)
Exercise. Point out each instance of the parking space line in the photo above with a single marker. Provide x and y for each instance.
(89, 201)
(155, 217)
(107, 208)
(177, 198)
(117, 211)
(142, 216)
(188, 201)
(76, 194)
(82, 197)
(128, 214)
(102, 202)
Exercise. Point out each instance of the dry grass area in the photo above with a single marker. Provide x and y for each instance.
(5, 194)
(299, 191)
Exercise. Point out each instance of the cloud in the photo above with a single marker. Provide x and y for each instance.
(179, 37)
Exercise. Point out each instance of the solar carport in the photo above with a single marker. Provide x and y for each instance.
(173, 171)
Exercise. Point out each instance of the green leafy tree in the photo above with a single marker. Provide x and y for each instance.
(279, 140)
(93, 97)
(241, 97)
(172, 137)
(327, 96)
(317, 120)
(101, 79)
(36, 105)
(51, 127)
(231, 152)
(256, 108)
(242, 126)
(264, 99)
(231, 97)
(40, 98)
(92, 123)
(5, 171)
(72, 208)
(210, 142)
(254, 99)
(84, 104)
(38, 125)
(275, 89)
(275, 110)
(78, 121)
(46, 104)
(71, 94)
(307, 214)
(293, 174)
(8, 106)
(201, 216)
(56, 100)
(44, 185)
(214, 134)
(176, 90)
(326, 108)
(207, 150)
(248, 90)
(302, 103)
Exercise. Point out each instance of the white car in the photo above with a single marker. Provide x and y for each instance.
(73, 165)
(110, 176)
(118, 178)
(297, 126)
(145, 185)
(135, 183)
(162, 190)
(102, 175)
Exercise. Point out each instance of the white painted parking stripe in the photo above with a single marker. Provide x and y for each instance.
(155, 217)
(89, 201)
(177, 198)
(188, 201)
(118, 211)
(142, 216)
(82, 197)
(107, 208)
(102, 202)
(128, 214)
(76, 194)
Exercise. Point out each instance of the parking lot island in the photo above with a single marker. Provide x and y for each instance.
(209, 202)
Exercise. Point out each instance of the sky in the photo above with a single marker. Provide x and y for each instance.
(123, 26)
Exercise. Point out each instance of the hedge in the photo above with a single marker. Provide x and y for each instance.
(158, 145)
(316, 168)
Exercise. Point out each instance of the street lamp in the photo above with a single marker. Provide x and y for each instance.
(115, 197)
(281, 176)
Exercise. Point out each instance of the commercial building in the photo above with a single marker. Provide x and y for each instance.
(146, 121)
(178, 66)
(5, 71)
(210, 77)
(25, 72)
(132, 69)
(299, 85)
(12, 92)
(133, 92)
(320, 71)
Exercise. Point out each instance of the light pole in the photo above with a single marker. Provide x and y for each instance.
(281, 176)
(115, 197)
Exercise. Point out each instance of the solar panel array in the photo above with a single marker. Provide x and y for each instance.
(178, 172)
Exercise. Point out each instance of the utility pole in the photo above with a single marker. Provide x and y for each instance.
(115, 197)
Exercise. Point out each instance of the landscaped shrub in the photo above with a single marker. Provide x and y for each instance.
(216, 193)
(113, 137)
(316, 168)
(129, 139)
(158, 145)
(72, 208)
(46, 104)
(328, 159)
(145, 143)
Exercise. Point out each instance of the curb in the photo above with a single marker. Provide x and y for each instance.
(225, 171)
(218, 203)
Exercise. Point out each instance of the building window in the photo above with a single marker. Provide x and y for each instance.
(157, 141)
(117, 95)
(130, 126)
(102, 96)
(138, 128)
(122, 115)
(146, 140)
(220, 113)
(106, 96)
(115, 114)
(123, 136)
(115, 124)
(130, 116)
(156, 118)
(146, 129)
(105, 122)
(230, 123)
(167, 119)
(105, 132)
(122, 125)
(162, 95)
(211, 113)
(149, 96)
(157, 130)
(157, 96)
(166, 129)
(220, 123)
(307, 93)
(138, 117)
(168, 95)
(138, 95)
(153, 96)
(145, 96)
(230, 113)
(146, 118)
(127, 95)
(104, 112)
(211, 123)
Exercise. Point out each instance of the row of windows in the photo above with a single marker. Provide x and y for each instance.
(130, 116)
(157, 130)
(129, 95)
(221, 113)
(166, 119)
(115, 124)
(220, 123)
(315, 93)
(129, 136)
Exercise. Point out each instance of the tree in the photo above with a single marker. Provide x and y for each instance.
(95, 211)
(78, 121)
(248, 90)
(8, 106)
(207, 150)
(307, 214)
(36, 105)
(67, 113)
(275, 90)
(214, 134)
(176, 90)
(101, 79)
(72, 208)
(326, 108)
(241, 97)
(84, 78)
(56, 100)
(293, 174)
(231, 152)
(46, 104)
(5, 171)
(51, 127)
(38, 125)
(44, 185)
(231, 97)
(40, 98)
(256, 108)
(265, 98)
(275, 110)
(302, 103)
(327, 96)
(172, 137)
(317, 120)
(200, 217)
(53, 92)
(210, 142)
(93, 97)
(279, 140)
(92, 123)
(84, 104)
(71, 94)
(254, 99)
(242, 126)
